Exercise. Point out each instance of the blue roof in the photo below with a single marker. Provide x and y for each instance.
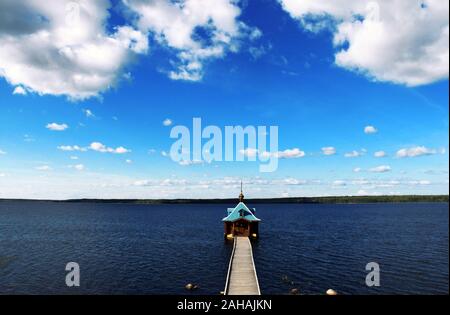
(240, 212)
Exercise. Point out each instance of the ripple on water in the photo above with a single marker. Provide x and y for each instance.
(141, 249)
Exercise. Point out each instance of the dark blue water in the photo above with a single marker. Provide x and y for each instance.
(141, 249)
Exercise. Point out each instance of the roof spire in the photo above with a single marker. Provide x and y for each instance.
(241, 196)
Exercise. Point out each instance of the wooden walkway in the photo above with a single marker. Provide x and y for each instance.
(242, 278)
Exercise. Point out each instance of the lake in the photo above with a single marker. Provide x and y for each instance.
(158, 249)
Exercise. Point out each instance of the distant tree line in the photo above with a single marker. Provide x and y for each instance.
(293, 200)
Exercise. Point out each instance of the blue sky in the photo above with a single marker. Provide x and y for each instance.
(284, 68)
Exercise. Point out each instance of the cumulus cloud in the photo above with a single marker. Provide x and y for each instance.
(354, 154)
(339, 183)
(19, 91)
(357, 169)
(78, 167)
(167, 122)
(294, 181)
(43, 168)
(88, 113)
(56, 127)
(163, 182)
(28, 138)
(251, 153)
(381, 169)
(370, 130)
(419, 182)
(191, 162)
(290, 154)
(362, 192)
(100, 147)
(415, 151)
(64, 48)
(380, 154)
(328, 150)
(286, 154)
(403, 41)
(95, 146)
(196, 30)
(71, 148)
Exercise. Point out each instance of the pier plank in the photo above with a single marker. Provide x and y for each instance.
(242, 278)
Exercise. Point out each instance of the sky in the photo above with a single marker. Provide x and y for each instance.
(90, 91)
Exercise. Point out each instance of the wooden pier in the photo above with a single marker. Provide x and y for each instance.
(242, 278)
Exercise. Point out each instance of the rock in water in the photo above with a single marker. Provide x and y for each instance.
(191, 287)
(331, 292)
(295, 291)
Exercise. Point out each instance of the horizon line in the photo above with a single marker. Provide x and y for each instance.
(230, 199)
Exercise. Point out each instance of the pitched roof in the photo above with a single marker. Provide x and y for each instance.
(240, 212)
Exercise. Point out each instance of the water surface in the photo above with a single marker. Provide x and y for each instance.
(157, 249)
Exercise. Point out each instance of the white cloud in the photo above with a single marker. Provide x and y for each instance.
(78, 167)
(339, 183)
(419, 182)
(380, 154)
(357, 169)
(415, 151)
(403, 41)
(2, 174)
(57, 127)
(258, 52)
(71, 148)
(196, 30)
(290, 154)
(121, 150)
(167, 122)
(381, 169)
(100, 147)
(294, 181)
(70, 185)
(370, 130)
(354, 154)
(2, 152)
(88, 113)
(286, 154)
(28, 138)
(163, 182)
(360, 182)
(73, 157)
(95, 146)
(189, 162)
(64, 48)
(251, 153)
(43, 168)
(19, 91)
(362, 192)
(328, 150)
(128, 161)
(370, 184)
